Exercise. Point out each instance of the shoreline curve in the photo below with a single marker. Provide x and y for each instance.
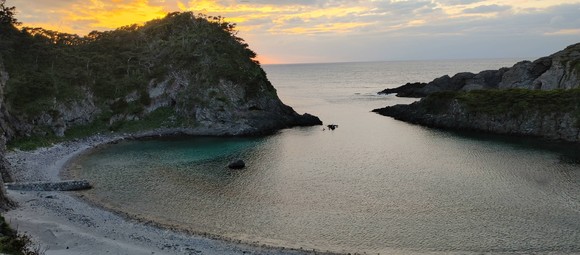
(71, 223)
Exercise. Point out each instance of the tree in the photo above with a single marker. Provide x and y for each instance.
(7, 15)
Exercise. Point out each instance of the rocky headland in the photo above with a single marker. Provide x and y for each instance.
(539, 98)
(560, 70)
(184, 74)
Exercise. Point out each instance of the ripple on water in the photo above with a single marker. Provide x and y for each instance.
(373, 185)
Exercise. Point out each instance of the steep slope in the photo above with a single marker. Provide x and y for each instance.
(186, 71)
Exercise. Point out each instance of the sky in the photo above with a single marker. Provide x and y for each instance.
(321, 31)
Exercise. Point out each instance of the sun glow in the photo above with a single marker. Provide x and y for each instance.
(269, 24)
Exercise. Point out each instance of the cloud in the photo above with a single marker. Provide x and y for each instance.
(458, 2)
(329, 25)
(487, 9)
(78, 16)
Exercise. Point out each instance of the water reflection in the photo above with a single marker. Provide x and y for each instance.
(373, 185)
(455, 192)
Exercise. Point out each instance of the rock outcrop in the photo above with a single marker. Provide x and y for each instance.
(4, 165)
(558, 71)
(539, 98)
(455, 115)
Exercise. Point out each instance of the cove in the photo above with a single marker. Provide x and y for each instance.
(373, 185)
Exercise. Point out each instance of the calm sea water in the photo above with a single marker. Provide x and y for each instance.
(373, 185)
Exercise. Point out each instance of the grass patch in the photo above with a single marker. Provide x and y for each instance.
(163, 117)
(437, 103)
(518, 101)
(511, 102)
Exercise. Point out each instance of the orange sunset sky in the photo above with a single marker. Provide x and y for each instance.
(299, 31)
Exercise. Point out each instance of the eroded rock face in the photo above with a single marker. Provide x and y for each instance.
(552, 125)
(226, 107)
(558, 71)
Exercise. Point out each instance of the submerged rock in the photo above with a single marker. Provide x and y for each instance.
(237, 164)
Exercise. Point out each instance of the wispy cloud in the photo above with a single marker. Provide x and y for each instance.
(487, 9)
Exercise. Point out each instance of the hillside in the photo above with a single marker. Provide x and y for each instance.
(182, 71)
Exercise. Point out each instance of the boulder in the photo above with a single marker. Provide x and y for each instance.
(237, 164)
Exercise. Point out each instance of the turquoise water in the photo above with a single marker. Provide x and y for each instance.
(373, 185)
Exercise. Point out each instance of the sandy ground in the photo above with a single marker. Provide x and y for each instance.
(63, 223)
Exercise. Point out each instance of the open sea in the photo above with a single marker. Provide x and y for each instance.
(374, 185)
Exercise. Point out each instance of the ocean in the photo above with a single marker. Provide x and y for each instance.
(374, 185)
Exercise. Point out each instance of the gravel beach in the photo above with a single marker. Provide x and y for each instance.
(64, 223)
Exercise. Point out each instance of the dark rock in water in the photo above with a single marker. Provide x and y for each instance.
(306, 120)
(407, 90)
(332, 126)
(238, 164)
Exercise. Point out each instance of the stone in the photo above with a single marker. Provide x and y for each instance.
(237, 164)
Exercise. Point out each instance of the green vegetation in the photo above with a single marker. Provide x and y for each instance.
(163, 117)
(49, 68)
(437, 103)
(12, 243)
(509, 101)
(521, 100)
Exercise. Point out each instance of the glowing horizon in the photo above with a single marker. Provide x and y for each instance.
(290, 31)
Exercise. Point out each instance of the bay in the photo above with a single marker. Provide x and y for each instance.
(374, 184)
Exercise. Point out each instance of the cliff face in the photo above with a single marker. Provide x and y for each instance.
(540, 98)
(558, 71)
(454, 114)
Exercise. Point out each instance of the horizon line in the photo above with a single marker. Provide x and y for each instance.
(518, 59)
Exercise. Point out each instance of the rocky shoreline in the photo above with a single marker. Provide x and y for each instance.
(560, 126)
(66, 223)
(538, 99)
